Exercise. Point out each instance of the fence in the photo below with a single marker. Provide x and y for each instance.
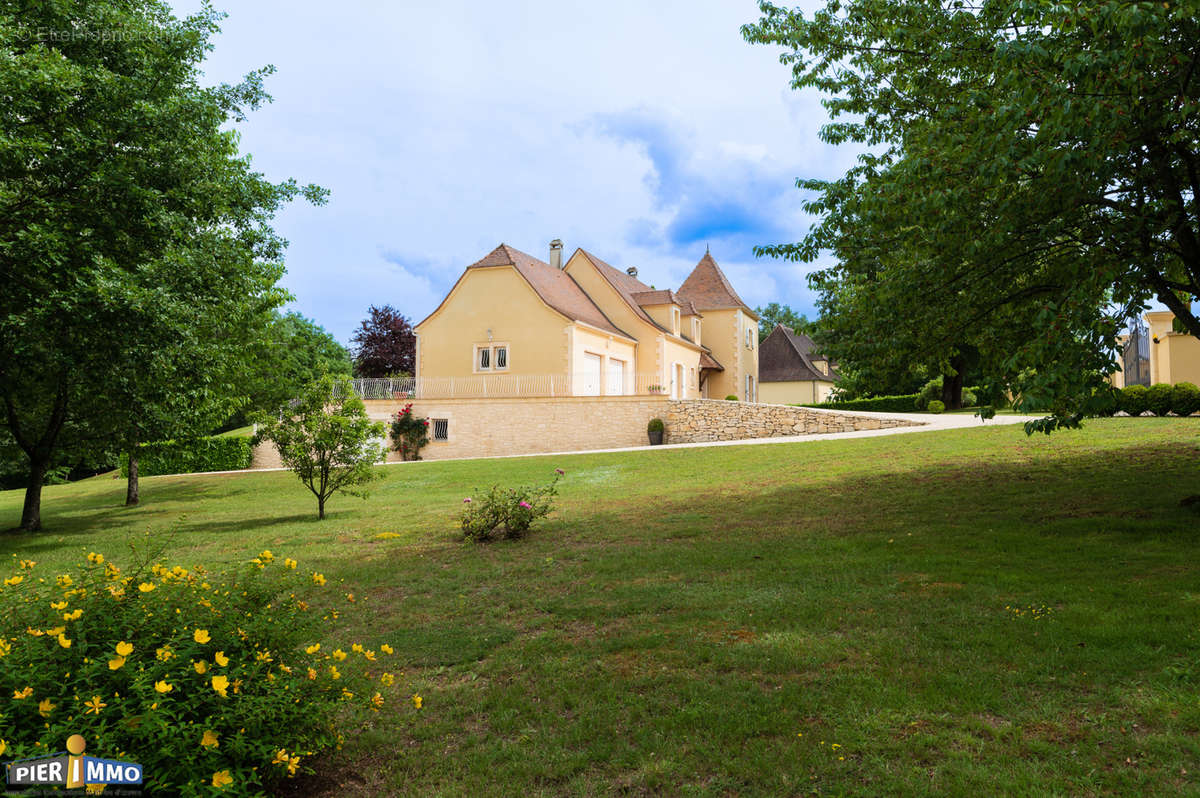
(509, 386)
(1135, 358)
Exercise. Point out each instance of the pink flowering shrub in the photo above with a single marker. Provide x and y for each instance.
(507, 512)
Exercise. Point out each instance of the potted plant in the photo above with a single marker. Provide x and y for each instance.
(656, 389)
(655, 430)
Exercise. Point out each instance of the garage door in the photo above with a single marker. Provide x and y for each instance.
(589, 381)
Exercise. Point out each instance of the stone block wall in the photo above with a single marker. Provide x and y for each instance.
(700, 420)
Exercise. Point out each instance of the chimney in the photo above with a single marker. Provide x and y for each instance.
(556, 253)
(631, 271)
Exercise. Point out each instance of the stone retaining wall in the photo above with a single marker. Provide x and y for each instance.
(699, 420)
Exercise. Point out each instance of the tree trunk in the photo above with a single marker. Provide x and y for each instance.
(31, 513)
(321, 508)
(132, 487)
(952, 385)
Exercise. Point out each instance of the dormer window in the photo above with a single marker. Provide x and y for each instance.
(675, 321)
(696, 330)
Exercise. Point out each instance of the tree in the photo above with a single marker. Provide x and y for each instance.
(291, 352)
(385, 344)
(775, 313)
(127, 218)
(327, 439)
(1031, 170)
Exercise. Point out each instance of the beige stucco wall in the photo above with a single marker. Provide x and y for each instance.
(725, 334)
(700, 420)
(797, 392)
(498, 299)
(492, 427)
(1175, 357)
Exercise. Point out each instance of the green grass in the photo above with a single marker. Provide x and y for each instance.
(712, 621)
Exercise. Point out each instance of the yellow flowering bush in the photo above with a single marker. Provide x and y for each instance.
(209, 681)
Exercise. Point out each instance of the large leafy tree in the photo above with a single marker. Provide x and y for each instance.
(775, 313)
(290, 353)
(130, 225)
(1032, 171)
(384, 344)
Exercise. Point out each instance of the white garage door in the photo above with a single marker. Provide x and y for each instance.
(589, 381)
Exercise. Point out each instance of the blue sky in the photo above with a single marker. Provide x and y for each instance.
(639, 131)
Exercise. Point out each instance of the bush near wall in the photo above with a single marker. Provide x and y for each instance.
(1185, 399)
(191, 456)
(1182, 399)
(880, 404)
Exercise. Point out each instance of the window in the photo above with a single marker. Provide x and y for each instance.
(491, 358)
(441, 429)
(675, 320)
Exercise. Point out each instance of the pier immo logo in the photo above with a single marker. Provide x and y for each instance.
(72, 769)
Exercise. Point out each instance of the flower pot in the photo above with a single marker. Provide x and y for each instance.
(656, 437)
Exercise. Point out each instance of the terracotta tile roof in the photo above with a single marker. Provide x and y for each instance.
(556, 288)
(709, 288)
(663, 296)
(626, 285)
(707, 361)
(785, 356)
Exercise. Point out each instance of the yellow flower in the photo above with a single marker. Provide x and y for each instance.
(370, 655)
(3, 747)
(318, 578)
(19, 694)
(387, 680)
(95, 705)
(45, 707)
(221, 659)
(346, 694)
(124, 649)
(376, 701)
(73, 616)
(201, 636)
(417, 701)
(98, 559)
(293, 765)
(386, 649)
(209, 740)
(266, 556)
(313, 649)
(56, 631)
(13, 581)
(201, 667)
(64, 581)
(356, 648)
(146, 587)
(162, 686)
(221, 685)
(58, 605)
(63, 641)
(339, 655)
(34, 632)
(164, 654)
(290, 563)
(27, 564)
(116, 664)
(333, 671)
(222, 779)
(312, 674)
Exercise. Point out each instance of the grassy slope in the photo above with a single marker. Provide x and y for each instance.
(712, 621)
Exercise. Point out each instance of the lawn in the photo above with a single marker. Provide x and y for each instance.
(940, 612)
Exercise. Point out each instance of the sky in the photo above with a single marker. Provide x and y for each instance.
(642, 132)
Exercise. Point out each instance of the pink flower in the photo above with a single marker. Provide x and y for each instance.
(467, 500)
(559, 471)
(526, 505)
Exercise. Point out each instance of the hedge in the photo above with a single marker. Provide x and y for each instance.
(191, 456)
(879, 404)
(1182, 399)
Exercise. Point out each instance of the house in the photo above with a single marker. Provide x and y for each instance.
(514, 325)
(1155, 352)
(791, 369)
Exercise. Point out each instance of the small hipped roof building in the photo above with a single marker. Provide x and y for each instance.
(791, 369)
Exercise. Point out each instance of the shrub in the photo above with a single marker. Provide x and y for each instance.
(507, 512)
(191, 456)
(1133, 399)
(731, 398)
(930, 391)
(655, 425)
(1185, 399)
(968, 398)
(1158, 399)
(879, 404)
(410, 433)
(937, 406)
(203, 679)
